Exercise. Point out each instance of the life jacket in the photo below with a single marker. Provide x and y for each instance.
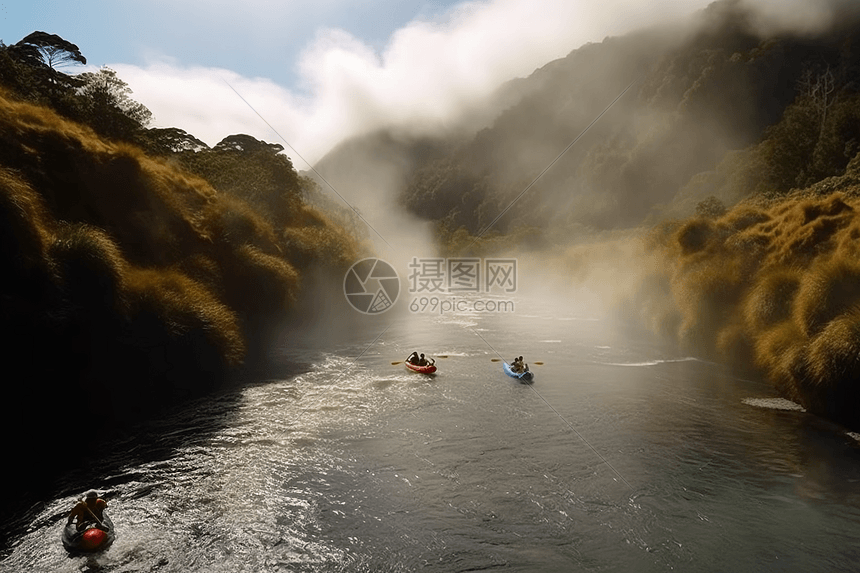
(85, 513)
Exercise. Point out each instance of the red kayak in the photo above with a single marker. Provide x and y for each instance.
(429, 369)
(89, 540)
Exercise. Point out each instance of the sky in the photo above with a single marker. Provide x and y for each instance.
(311, 73)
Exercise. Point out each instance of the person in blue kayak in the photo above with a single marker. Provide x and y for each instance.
(413, 358)
(88, 510)
(518, 366)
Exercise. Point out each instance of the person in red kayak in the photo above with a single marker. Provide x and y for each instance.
(89, 510)
(413, 358)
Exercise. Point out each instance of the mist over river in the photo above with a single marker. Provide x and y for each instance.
(622, 456)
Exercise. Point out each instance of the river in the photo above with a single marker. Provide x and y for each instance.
(621, 456)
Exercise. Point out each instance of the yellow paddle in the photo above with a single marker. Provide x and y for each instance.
(402, 361)
(500, 360)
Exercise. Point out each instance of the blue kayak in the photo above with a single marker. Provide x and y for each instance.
(524, 377)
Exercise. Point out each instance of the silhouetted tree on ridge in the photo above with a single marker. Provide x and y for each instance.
(49, 49)
(108, 104)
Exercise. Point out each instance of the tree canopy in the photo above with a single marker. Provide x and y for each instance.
(169, 140)
(49, 49)
(112, 111)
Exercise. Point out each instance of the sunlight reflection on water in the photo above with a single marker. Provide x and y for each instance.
(359, 464)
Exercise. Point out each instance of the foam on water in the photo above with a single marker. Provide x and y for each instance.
(650, 362)
(774, 404)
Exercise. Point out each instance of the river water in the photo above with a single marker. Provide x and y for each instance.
(622, 456)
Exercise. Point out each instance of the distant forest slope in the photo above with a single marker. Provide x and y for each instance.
(140, 267)
(735, 156)
(717, 110)
(669, 143)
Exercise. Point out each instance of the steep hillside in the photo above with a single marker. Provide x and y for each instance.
(132, 283)
(695, 99)
(770, 286)
(720, 109)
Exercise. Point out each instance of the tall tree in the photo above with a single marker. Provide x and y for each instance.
(111, 110)
(168, 140)
(49, 49)
(30, 71)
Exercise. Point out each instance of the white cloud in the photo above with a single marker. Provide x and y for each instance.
(202, 101)
(430, 72)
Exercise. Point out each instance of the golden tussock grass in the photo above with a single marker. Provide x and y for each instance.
(735, 345)
(802, 229)
(775, 286)
(771, 298)
(184, 192)
(694, 236)
(89, 266)
(183, 306)
(305, 245)
(20, 118)
(834, 354)
(707, 292)
(157, 213)
(848, 243)
(25, 225)
(743, 217)
(145, 284)
(256, 281)
(771, 286)
(314, 236)
(780, 353)
(151, 208)
(203, 269)
(660, 237)
(828, 289)
(230, 221)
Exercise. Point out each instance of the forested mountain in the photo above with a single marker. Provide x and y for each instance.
(733, 161)
(141, 267)
(775, 111)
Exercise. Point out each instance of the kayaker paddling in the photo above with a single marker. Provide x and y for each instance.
(419, 360)
(88, 510)
(518, 366)
(88, 529)
(525, 376)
